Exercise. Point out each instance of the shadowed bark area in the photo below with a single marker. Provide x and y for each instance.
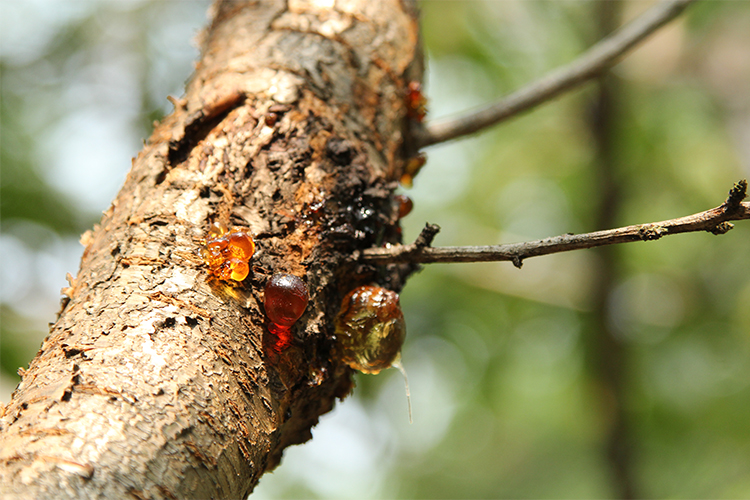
(158, 381)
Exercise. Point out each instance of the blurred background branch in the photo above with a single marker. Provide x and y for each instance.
(589, 65)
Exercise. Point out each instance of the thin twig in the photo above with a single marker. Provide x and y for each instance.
(590, 64)
(715, 221)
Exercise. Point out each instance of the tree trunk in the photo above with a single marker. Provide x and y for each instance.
(159, 381)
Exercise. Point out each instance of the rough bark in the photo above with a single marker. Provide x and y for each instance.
(157, 381)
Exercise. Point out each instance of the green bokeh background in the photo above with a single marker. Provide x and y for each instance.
(508, 401)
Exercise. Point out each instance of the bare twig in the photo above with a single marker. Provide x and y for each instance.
(590, 64)
(715, 221)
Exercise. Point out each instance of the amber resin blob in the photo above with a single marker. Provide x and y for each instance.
(285, 299)
(370, 329)
(228, 253)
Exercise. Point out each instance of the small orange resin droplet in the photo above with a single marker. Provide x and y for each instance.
(285, 300)
(405, 205)
(217, 229)
(270, 119)
(416, 103)
(412, 168)
(228, 253)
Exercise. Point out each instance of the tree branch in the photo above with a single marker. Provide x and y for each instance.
(714, 221)
(161, 379)
(593, 62)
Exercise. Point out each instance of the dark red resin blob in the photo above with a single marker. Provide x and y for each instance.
(285, 299)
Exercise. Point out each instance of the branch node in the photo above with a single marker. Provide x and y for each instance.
(721, 228)
(426, 236)
(652, 232)
(517, 261)
(736, 195)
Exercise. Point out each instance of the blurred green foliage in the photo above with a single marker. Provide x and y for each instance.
(506, 403)
(80, 83)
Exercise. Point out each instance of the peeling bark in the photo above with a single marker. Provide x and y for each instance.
(158, 381)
